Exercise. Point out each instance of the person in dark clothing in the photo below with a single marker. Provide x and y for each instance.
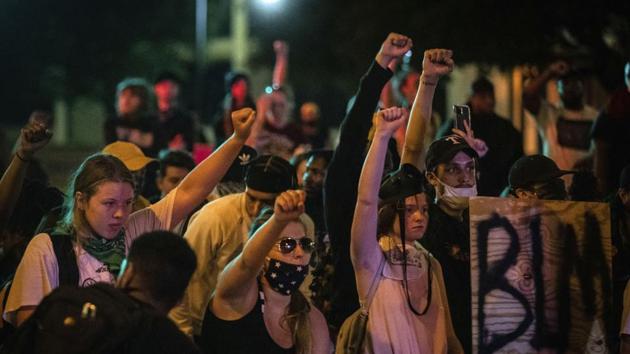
(135, 121)
(340, 191)
(505, 143)
(314, 176)
(450, 166)
(537, 177)
(314, 133)
(610, 133)
(450, 169)
(237, 96)
(152, 280)
(620, 235)
(25, 196)
(178, 127)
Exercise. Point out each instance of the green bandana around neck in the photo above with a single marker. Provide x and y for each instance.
(109, 252)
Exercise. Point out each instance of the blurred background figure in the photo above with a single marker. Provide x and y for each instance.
(178, 127)
(135, 119)
(313, 131)
(611, 133)
(565, 128)
(237, 96)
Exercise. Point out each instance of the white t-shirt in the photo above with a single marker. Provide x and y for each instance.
(38, 273)
(566, 133)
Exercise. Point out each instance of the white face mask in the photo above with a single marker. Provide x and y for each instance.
(455, 198)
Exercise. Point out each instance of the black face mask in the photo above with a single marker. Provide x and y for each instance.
(285, 278)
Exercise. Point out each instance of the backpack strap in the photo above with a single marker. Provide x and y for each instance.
(66, 259)
(373, 286)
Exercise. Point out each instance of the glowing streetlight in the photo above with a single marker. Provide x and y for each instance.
(269, 2)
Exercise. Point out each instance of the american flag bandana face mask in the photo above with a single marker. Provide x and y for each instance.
(285, 278)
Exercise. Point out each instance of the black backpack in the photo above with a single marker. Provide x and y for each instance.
(68, 275)
(95, 319)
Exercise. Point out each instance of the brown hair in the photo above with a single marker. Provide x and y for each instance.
(297, 314)
(94, 171)
(387, 214)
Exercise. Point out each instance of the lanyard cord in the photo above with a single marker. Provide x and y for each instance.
(401, 218)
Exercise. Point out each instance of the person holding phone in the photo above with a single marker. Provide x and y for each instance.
(504, 142)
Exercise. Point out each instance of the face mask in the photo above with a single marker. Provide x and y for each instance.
(285, 278)
(455, 198)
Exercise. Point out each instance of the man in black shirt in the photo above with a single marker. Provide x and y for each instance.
(451, 170)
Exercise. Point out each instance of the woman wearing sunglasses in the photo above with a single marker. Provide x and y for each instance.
(399, 283)
(257, 306)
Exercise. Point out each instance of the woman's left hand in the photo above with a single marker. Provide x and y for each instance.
(289, 205)
(477, 144)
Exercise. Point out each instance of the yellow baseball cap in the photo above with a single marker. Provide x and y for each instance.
(129, 154)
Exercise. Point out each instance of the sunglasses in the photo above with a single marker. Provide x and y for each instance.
(288, 244)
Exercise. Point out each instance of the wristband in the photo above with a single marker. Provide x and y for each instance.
(17, 154)
(428, 83)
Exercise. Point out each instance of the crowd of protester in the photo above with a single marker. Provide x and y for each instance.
(271, 243)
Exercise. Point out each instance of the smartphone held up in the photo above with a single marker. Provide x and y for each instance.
(462, 114)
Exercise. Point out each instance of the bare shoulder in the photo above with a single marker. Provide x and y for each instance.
(319, 328)
(317, 318)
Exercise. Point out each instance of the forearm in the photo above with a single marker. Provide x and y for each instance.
(202, 179)
(532, 91)
(260, 244)
(354, 129)
(363, 239)
(419, 119)
(536, 84)
(280, 70)
(355, 126)
(11, 186)
(236, 279)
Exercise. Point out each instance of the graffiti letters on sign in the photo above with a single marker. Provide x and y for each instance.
(540, 273)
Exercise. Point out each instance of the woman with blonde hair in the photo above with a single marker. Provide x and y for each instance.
(258, 306)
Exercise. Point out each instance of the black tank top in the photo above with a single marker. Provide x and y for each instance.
(243, 336)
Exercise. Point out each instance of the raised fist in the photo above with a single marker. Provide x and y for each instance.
(281, 47)
(33, 137)
(289, 205)
(390, 119)
(242, 121)
(437, 62)
(394, 46)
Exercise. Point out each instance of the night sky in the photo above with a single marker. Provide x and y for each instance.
(71, 48)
